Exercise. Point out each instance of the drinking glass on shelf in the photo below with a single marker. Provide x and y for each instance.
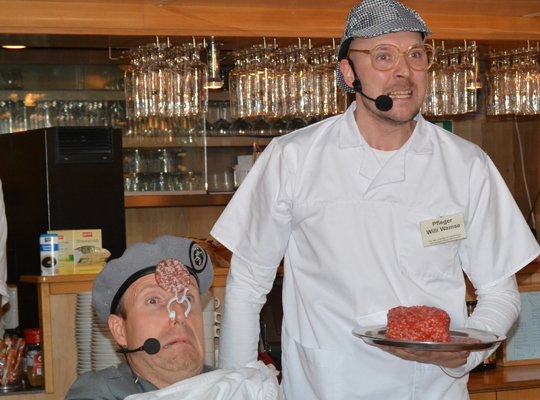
(458, 84)
(222, 126)
(195, 91)
(528, 85)
(282, 84)
(234, 90)
(317, 82)
(128, 92)
(301, 85)
(508, 74)
(494, 87)
(328, 85)
(240, 127)
(267, 80)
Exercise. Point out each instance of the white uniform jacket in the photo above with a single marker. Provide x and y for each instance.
(349, 230)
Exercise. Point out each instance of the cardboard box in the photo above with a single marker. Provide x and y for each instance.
(80, 251)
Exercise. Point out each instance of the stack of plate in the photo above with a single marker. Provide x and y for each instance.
(103, 346)
(83, 331)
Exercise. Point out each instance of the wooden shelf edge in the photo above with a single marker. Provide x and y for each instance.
(237, 141)
(211, 141)
(532, 268)
(195, 200)
(505, 378)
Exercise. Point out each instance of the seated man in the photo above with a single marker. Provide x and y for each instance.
(151, 299)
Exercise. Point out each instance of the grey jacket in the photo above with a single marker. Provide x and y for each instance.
(113, 383)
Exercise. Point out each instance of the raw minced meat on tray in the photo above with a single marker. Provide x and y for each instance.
(419, 324)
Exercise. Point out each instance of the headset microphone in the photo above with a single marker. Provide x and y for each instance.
(151, 346)
(383, 102)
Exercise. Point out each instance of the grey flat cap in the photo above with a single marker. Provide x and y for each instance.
(141, 259)
(375, 18)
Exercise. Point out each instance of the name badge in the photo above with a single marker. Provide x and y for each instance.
(443, 229)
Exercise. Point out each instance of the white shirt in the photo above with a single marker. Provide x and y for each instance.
(349, 232)
(253, 382)
(3, 255)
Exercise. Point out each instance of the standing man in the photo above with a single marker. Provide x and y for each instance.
(348, 203)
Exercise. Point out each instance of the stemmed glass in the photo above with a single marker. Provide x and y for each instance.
(469, 65)
(528, 82)
(195, 92)
(301, 84)
(221, 127)
(494, 88)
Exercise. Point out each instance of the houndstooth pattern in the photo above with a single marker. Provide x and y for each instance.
(374, 18)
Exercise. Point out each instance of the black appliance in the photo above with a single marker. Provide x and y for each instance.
(53, 179)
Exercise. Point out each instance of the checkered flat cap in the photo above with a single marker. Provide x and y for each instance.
(374, 18)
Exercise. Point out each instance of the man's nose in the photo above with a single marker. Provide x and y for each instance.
(179, 311)
(403, 69)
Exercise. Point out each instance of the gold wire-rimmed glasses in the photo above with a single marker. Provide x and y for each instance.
(385, 57)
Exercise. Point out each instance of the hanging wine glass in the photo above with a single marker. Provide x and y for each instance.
(302, 84)
(493, 86)
(221, 127)
(128, 91)
(528, 75)
(234, 91)
(458, 84)
(195, 93)
(240, 126)
(282, 83)
(179, 58)
(469, 65)
(327, 76)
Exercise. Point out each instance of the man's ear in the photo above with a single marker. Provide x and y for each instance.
(117, 328)
(347, 72)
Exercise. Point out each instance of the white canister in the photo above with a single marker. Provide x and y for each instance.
(48, 248)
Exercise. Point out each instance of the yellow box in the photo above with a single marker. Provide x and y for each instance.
(73, 248)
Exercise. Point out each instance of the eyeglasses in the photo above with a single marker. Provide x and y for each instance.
(386, 56)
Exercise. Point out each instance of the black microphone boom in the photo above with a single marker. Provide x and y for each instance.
(383, 102)
(151, 346)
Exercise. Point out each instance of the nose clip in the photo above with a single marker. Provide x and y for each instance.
(172, 313)
(184, 298)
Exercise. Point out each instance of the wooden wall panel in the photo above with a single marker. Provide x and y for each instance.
(145, 224)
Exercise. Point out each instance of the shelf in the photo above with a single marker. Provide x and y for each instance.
(226, 141)
(237, 141)
(63, 95)
(218, 95)
(218, 199)
(157, 143)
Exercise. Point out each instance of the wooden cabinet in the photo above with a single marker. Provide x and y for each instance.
(484, 396)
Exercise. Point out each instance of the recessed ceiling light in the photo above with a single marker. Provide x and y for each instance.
(13, 46)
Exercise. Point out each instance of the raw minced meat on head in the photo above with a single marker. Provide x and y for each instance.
(172, 274)
(419, 324)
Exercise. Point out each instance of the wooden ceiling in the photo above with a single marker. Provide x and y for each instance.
(128, 23)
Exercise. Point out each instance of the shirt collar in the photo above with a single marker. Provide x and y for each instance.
(349, 136)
